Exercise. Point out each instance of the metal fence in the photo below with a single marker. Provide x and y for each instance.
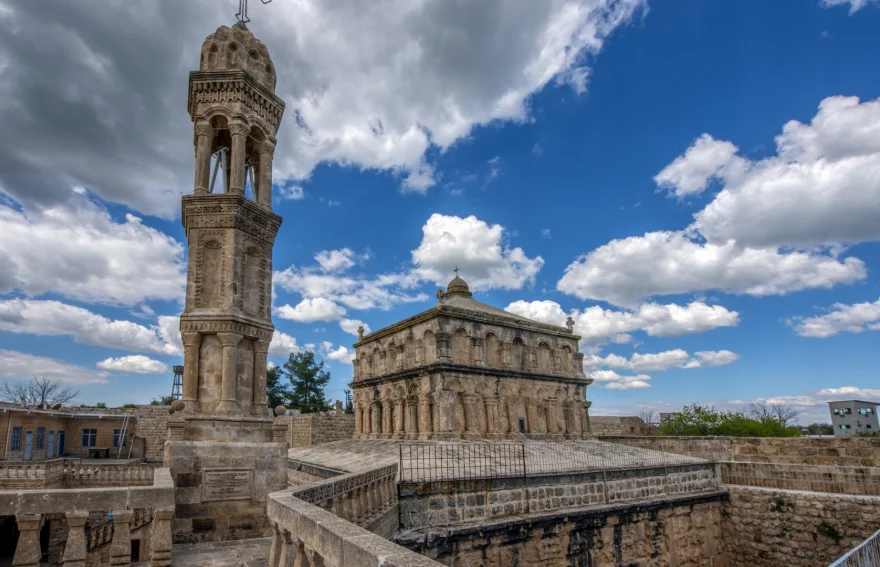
(867, 554)
(862, 481)
(467, 461)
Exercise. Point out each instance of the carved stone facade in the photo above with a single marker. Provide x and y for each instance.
(467, 370)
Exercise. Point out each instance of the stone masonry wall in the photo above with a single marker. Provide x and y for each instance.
(434, 504)
(317, 428)
(766, 527)
(153, 428)
(674, 532)
(614, 425)
(854, 451)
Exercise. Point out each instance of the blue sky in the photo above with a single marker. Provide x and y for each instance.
(698, 184)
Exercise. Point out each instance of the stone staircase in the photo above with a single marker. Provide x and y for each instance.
(101, 534)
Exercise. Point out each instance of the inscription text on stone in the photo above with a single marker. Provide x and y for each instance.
(227, 484)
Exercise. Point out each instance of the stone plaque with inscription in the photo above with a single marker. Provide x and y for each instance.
(227, 484)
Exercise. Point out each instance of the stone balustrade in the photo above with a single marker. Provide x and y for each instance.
(72, 473)
(31, 508)
(332, 523)
(77, 475)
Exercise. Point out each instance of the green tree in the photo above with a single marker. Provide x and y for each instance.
(277, 392)
(820, 429)
(162, 401)
(307, 381)
(101, 405)
(697, 420)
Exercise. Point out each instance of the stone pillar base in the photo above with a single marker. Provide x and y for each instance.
(221, 487)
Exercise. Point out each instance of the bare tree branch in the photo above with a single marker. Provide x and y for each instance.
(781, 412)
(36, 392)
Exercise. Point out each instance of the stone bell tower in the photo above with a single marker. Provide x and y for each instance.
(226, 324)
(224, 452)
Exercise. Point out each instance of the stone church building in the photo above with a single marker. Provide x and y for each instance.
(466, 370)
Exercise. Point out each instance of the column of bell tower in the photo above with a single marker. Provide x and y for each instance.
(224, 454)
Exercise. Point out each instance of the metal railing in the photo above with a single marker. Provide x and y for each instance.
(861, 481)
(469, 461)
(866, 554)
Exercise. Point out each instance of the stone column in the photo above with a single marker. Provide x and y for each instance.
(470, 411)
(292, 552)
(315, 558)
(75, 549)
(229, 374)
(444, 347)
(120, 546)
(192, 341)
(426, 429)
(574, 427)
(376, 427)
(550, 414)
(586, 415)
(358, 501)
(277, 545)
(239, 132)
(204, 138)
(492, 418)
(264, 184)
(161, 537)
(260, 406)
(398, 419)
(479, 352)
(387, 419)
(27, 551)
(358, 415)
(412, 416)
(532, 414)
(351, 507)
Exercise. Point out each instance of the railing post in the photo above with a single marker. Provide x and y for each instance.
(161, 536)
(27, 552)
(120, 545)
(75, 550)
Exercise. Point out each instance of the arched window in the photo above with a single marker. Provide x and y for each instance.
(544, 362)
(517, 354)
(492, 355)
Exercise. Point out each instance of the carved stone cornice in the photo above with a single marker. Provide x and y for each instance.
(230, 211)
(217, 326)
(480, 371)
(224, 87)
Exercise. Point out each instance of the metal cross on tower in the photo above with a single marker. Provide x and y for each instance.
(242, 14)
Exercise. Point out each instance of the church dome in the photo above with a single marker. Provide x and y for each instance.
(236, 48)
(458, 287)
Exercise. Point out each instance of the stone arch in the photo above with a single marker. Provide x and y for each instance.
(461, 347)
(430, 347)
(378, 369)
(493, 348)
(545, 362)
(517, 354)
(232, 55)
(392, 357)
(409, 357)
(484, 393)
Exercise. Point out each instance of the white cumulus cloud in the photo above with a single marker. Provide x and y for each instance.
(595, 324)
(79, 251)
(135, 364)
(341, 354)
(311, 310)
(841, 318)
(16, 365)
(486, 261)
(54, 318)
(690, 173)
(351, 326)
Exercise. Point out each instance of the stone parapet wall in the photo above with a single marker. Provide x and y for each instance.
(669, 531)
(766, 527)
(152, 424)
(317, 428)
(614, 425)
(448, 503)
(854, 451)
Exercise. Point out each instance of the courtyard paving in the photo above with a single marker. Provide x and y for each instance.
(241, 553)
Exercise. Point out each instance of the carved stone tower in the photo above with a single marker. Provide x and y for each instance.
(224, 452)
(226, 324)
